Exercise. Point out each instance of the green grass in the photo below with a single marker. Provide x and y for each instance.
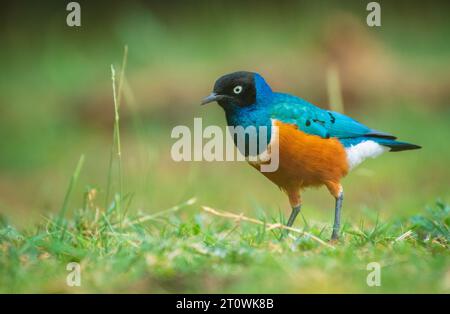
(185, 250)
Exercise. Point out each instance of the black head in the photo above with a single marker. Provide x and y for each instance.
(234, 88)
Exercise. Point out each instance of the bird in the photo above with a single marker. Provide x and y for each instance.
(317, 147)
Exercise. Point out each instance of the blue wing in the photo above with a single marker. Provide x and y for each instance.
(316, 121)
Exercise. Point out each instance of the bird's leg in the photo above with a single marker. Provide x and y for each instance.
(337, 215)
(337, 191)
(295, 211)
(295, 201)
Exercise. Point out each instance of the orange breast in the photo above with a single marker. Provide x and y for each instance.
(307, 160)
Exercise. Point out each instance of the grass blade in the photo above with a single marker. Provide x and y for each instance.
(116, 146)
(72, 183)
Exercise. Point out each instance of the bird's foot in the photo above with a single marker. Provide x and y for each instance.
(334, 237)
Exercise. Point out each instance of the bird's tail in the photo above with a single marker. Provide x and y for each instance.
(396, 146)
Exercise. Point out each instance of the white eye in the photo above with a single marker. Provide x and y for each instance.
(237, 89)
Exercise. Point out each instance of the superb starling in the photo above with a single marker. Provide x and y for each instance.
(316, 146)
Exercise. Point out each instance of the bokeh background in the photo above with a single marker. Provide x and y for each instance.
(56, 99)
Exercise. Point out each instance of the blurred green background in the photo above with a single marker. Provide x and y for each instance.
(56, 99)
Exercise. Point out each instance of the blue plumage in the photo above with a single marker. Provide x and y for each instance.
(308, 118)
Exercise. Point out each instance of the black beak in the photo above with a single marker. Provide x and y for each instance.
(211, 98)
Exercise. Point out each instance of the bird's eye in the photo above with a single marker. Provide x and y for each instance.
(237, 89)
